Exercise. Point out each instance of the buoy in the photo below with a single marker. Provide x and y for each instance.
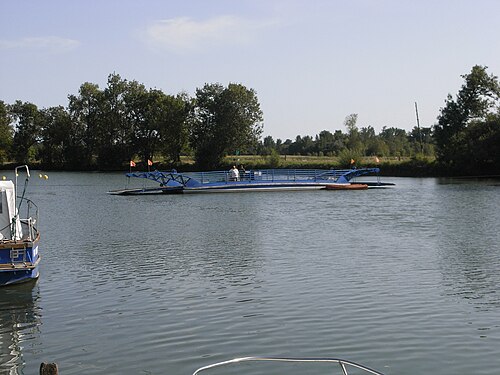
(40, 175)
(4, 178)
(45, 176)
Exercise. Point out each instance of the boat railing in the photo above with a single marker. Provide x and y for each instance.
(29, 221)
(193, 179)
(270, 175)
(345, 366)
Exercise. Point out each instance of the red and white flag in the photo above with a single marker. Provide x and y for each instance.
(150, 163)
(132, 163)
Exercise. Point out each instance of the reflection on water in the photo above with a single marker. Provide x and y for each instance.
(469, 242)
(402, 280)
(19, 325)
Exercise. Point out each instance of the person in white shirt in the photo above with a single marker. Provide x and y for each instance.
(234, 174)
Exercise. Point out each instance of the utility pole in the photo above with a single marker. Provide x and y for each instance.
(419, 132)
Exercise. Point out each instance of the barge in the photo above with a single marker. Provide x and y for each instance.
(172, 182)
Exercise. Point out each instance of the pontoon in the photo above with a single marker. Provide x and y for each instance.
(172, 182)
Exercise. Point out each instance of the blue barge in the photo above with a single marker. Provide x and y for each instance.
(19, 237)
(172, 182)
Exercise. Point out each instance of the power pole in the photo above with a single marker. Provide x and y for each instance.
(419, 132)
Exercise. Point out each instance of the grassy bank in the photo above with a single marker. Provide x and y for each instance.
(408, 167)
(404, 167)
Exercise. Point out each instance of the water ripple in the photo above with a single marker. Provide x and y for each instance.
(403, 280)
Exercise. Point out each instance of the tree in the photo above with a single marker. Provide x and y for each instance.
(478, 150)
(225, 120)
(27, 121)
(173, 126)
(325, 142)
(56, 133)
(140, 107)
(354, 142)
(476, 101)
(6, 132)
(114, 128)
(85, 111)
(421, 141)
(268, 145)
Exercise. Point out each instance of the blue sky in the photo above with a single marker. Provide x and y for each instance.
(311, 62)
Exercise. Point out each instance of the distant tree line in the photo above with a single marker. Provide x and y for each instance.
(105, 128)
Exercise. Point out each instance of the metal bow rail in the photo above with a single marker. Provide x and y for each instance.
(344, 365)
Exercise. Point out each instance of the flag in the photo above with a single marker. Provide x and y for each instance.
(150, 163)
(353, 161)
(132, 163)
(377, 160)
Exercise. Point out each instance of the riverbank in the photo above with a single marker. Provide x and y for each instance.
(391, 166)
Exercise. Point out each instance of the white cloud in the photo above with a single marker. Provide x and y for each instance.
(185, 34)
(52, 43)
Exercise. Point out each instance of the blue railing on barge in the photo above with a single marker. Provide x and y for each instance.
(192, 179)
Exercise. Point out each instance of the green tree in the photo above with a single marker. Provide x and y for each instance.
(173, 129)
(396, 140)
(268, 145)
(27, 120)
(6, 132)
(340, 142)
(477, 101)
(325, 142)
(421, 141)
(85, 111)
(368, 140)
(114, 128)
(302, 145)
(140, 107)
(56, 133)
(353, 138)
(225, 120)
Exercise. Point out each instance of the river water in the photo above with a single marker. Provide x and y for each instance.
(404, 280)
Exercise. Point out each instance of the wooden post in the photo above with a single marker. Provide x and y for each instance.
(49, 369)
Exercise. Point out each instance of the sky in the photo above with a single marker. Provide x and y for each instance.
(310, 62)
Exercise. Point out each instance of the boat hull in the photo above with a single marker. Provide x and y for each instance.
(346, 187)
(149, 191)
(19, 261)
(241, 187)
(18, 276)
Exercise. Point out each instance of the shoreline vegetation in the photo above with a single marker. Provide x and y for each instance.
(126, 124)
(390, 166)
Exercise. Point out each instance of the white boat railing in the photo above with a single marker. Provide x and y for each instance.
(269, 175)
(344, 365)
(29, 224)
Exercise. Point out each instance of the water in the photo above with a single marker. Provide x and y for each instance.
(404, 280)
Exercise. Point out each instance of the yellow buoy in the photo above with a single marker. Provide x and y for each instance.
(45, 176)
(4, 178)
(40, 175)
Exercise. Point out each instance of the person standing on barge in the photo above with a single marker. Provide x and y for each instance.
(234, 174)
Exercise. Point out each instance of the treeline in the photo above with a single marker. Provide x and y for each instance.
(355, 143)
(105, 128)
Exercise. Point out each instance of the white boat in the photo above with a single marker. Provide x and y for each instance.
(343, 365)
(19, 237)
